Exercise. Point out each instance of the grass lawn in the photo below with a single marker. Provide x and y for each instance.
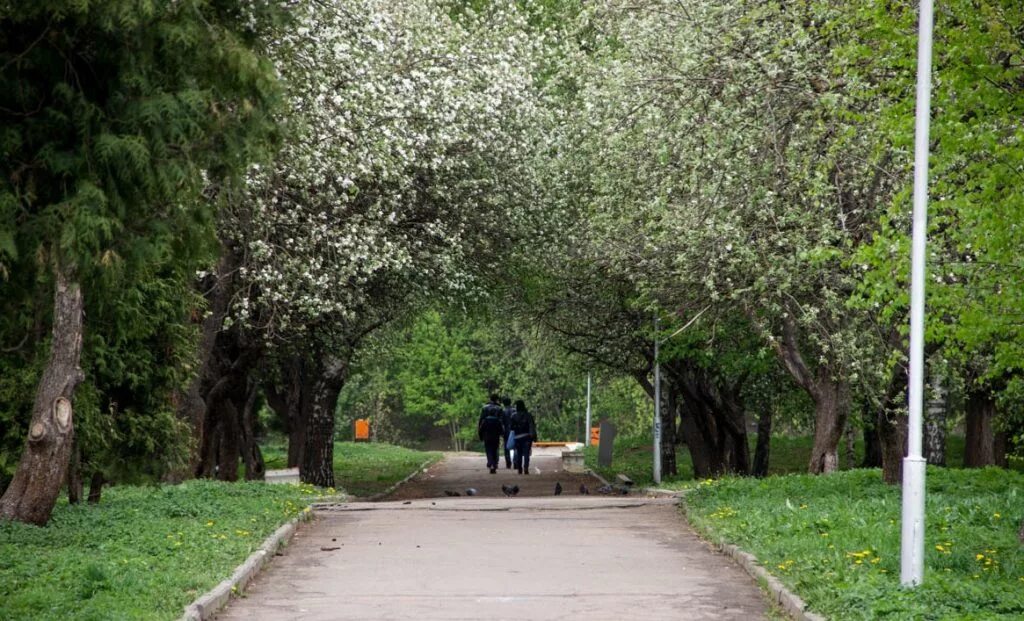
(362, 468)
(835, 540)
(142, 553)
(788, 455)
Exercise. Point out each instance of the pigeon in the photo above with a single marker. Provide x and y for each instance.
(558, 488)
(449, 492)
(515, 490)
(471, 491)
(604, 489)
(506, 489)
(583, 490)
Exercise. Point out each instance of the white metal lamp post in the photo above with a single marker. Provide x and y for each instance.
(912, 535)
(586, 430)
(657, 406)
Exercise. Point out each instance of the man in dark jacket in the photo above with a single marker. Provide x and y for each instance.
(506, 423)
(490, 429)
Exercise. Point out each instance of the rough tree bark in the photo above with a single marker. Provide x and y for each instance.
(713, 421)
(74, 483)
(892, 427)
(252, 457)
(669, 430)
(291, 399)
(762, 452)
(872, 443)
(979, 443)
(830, 393)
(96, 487)
(317, 465)
(935, 423)
(33, 491)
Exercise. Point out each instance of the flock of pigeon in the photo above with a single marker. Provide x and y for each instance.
(513, 490)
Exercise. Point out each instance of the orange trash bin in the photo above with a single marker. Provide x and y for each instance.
(362, 430)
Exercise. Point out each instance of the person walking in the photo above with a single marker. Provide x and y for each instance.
(525, 429)
(506, 423)
(490, 430)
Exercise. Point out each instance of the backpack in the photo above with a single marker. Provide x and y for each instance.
(490, 424)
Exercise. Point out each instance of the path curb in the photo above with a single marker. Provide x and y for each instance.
(790, 602)
(392, 489)
(216, 598)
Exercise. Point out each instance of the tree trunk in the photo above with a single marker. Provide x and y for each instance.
(713, 419)
(33, 491)
(831, 396)
(292, 401)
(252, 457)
(762, 452)
(318, 459)
(831, 405)
(892, 431)
(668, 433)
(979, 445)
(892, 427)
(872, 443)
(96, 487)
(999, 444)
(851, 446)
(934, 441)
(74, 482)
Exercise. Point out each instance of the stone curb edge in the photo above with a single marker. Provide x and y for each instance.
(789, 602)
(216, 598)
(391, 489)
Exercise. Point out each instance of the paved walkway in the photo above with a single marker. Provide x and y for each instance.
(491, 557)
(461, 471)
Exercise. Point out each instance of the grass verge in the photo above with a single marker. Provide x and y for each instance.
(142, 553)
(788, 455)
(362, 468)
(834, 540)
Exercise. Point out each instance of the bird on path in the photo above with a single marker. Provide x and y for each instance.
(583, 490)
(515, 490)
(604, 489)
(558, 488)
(471, 491)
(506, 489)
(449, 492)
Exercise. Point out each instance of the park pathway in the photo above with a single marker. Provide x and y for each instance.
(421, 555)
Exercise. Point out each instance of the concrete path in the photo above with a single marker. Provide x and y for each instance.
(458, 472)
(570, 557)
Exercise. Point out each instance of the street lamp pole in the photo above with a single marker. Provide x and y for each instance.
(657, 405)
(586, 430)
(912, 535)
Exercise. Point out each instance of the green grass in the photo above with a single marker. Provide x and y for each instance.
(788, 455)
(834, 540)
(142, 553)
(633, 457)
(362, 468)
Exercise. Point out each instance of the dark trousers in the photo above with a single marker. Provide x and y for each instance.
(491, 448)
(523, 448)
(508, 453)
